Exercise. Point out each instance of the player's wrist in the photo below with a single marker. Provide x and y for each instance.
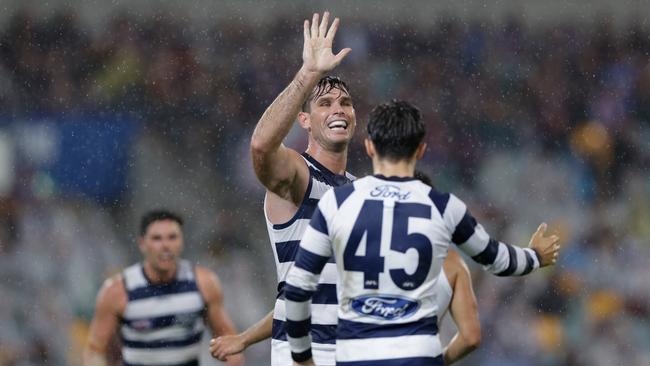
(308, 74)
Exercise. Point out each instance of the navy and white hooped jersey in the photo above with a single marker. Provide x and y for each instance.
(444, 293)
(389, 237)
(285, 240)
(162, 324)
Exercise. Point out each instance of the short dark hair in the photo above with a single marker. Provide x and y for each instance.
(157, 215)
(396, 129)
(423, 177)
(324, 86)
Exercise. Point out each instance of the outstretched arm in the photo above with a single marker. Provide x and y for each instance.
(497, 257)
(278, 167)
(224, 346)
(464, 310)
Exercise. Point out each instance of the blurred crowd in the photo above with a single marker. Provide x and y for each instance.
(526, 124)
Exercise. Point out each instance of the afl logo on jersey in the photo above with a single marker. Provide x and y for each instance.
(385, 307)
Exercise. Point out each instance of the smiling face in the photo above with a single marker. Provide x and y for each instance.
(161, 245)
(330, 119)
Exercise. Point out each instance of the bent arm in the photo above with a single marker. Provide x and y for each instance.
(224, 346)
(464, 311)
(104, 322)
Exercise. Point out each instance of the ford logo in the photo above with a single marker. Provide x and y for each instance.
(385, 307)
(389, 191)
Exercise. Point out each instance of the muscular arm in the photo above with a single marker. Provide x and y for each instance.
(111, 301)
(216, 314)
(224, 346)
(463, 309)
(276, 166)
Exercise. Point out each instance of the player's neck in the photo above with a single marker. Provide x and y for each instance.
(157, 277)
(393, 169)
(335, 161)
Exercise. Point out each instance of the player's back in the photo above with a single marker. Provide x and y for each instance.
(389, 242)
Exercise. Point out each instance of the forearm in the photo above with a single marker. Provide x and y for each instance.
(92, 357)
(457, 349)
(259, 331)
(277, 120)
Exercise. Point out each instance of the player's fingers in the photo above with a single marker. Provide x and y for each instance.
(314, 26)
(305, 27)
(341, 55)
(541, 229)
(322, 30)
(333, 28)
(554, 239)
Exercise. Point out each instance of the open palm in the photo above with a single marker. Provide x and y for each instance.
(317, 55)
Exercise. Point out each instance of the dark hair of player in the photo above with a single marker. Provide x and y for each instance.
(324, 86)
(157, 215)
(396, 130)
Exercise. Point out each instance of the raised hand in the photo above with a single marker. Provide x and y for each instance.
(546, 247)
(317, 55)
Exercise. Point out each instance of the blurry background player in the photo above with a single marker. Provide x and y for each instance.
(295, 182)
(159, 305)
(389, 234)
(455, 293)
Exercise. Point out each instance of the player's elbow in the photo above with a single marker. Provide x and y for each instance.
(473, 338)
(260, 147)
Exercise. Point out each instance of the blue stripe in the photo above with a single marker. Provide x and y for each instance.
(164, 343)
(464, 230)
(287, 251)
(309, 261)
(162, 321)
(411, 361)
(302, 356)
(440, 200)
(305, 211)
(294, 293)
(189, 363)
(318, 222)
(162, 290)
(356, 330)
(489, 254)
(297, 329)
(325, 293)
(324, 334)
(342, 193)
(512, 264)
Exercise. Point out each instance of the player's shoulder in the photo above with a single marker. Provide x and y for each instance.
(113, 292)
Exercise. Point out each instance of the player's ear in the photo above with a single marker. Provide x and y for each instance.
(370, 148)
(303, 120)
(419, 153)
(141, 244)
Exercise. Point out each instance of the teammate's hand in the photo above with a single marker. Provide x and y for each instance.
(547, 248)
(235, 360)
(317, 53)
(224, 346)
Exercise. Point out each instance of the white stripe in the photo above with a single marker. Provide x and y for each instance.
(521, 261)
(328, 275)
(293, 232)
(318, 189)
(476, 243)
(133, 277)
(454, 212)
(281, 355)
(324, 314)
(302, 279)
(163, 356)
(387, 348)
(316, 242)
(169, 333)
(185, 271)
(534, 256)
(297, 311)
(164, 305)
(501, 261)
(299, 345)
